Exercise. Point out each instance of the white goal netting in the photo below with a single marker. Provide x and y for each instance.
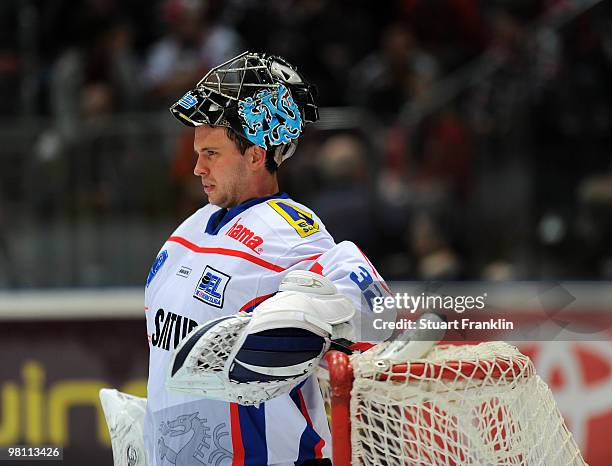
(463, 405)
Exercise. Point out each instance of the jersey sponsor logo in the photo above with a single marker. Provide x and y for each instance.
(245, 236)
(299, 219)
(170, 329)
(183, 271)
(211, 287)
(157, 264)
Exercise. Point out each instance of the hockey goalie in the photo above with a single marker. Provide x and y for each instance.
(254, 363)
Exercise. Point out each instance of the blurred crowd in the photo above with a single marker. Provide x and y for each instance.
(479, 144)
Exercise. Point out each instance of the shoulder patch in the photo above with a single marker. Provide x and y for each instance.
(299, 219)
(157, 264)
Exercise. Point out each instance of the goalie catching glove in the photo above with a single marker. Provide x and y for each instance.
(252, 358)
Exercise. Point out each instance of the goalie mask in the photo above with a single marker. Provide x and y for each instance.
(262, 98)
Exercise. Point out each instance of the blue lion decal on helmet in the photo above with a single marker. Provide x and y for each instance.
(269, 123)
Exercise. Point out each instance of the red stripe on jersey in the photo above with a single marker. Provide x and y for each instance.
(310, 258)
(226, 252)
(319, 449)
(303, 408)
(319, 446)
(236, 436)
(316, 268)
(255, 301)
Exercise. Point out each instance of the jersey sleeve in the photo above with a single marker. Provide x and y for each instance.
(352, 273)
(298, 237)
(354, 276)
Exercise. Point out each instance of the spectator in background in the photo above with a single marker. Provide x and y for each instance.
(426, 250)
(391, 76)
(91, 79)
(191, 46)
(425, 167)
(345, 201)
(499, 113)
(430, 242)
(452, 30)
(444, 153)
(94, 77)
(328, 36)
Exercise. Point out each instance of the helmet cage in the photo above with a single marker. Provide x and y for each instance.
(262, 98)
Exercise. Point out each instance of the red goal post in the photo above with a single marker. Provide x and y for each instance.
(462, 405)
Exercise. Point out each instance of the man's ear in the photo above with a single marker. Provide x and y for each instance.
(256, 156)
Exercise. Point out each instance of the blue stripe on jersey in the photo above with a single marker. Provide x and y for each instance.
(251, 308)
(212, 228)
(253, 432)
(309, 438)
(256, 302)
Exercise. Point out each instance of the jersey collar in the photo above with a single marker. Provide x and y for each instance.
(223, 216)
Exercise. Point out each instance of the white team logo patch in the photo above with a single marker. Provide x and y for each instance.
(211, 287)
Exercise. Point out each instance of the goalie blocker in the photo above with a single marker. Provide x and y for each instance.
(124, 415)
(252, 358)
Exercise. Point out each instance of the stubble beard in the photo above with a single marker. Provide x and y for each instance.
(230, 197)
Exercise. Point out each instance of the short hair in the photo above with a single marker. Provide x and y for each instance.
(243, 144)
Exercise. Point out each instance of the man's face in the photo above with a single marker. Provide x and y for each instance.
(221, 167)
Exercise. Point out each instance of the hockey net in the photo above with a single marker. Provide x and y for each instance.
(462, 405)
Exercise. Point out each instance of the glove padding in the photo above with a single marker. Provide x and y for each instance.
(252, 358)
(125, 419)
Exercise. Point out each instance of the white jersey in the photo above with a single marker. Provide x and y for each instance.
(215, 265)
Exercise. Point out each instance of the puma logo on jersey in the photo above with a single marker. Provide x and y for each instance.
(170, 329)
(245, 236)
